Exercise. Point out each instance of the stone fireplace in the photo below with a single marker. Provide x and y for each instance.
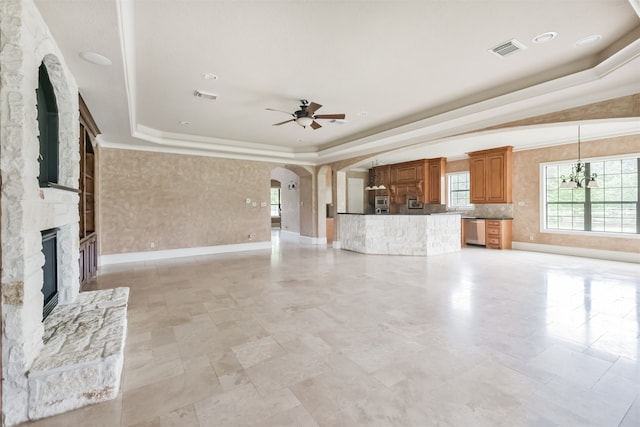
(26, 211)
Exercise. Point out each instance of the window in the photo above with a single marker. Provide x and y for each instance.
(48, 126)
(459, 191)
(612, 207)
(275, 202)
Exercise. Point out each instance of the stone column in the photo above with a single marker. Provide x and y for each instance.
(25, 209)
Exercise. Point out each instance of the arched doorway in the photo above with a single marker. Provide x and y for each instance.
(288, 201)
(276, 204)
(297, 202)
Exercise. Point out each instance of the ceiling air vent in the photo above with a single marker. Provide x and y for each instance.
(508, 48)
(206, 95)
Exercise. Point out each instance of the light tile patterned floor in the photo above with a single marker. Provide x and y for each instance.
(309, 336)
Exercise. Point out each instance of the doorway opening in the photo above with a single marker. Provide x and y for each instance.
(276, 204)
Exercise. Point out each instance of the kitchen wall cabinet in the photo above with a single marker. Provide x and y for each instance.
(491, 175)
(408, 180)
(437, 169)
(379, 175)
(419, 179)
(498, 233)
(408, 172)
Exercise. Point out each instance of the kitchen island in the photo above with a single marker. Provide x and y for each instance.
(415, 235)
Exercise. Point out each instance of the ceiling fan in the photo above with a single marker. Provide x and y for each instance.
(306, 116)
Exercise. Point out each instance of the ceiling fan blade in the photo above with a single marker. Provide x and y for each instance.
(313, 107)
(281, 111)
(315, 125)
(281, 123)
(330, 116)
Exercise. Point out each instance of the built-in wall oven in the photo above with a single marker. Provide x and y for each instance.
(382, 205)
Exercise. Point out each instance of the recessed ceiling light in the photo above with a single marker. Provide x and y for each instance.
(363, 114)
(586, 41)
(185, 122)
(209, 76)
(545, 37)
(95, 58)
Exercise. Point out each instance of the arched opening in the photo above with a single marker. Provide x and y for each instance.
(276, 204)
(298, 203)
(48, 126)
(288, 219)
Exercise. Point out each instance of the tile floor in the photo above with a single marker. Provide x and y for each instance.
(310, 336)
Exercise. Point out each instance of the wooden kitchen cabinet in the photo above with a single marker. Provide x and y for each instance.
(410, 179)
(491, 175)
(408, 172)
(498, 233)
(382, 178)
(437, 169)
(419, 179)
(378, 175)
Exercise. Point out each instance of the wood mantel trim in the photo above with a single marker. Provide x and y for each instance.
(87, 118)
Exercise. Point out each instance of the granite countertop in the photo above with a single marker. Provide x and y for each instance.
(435, 213)
(484, 217)
(400, 214)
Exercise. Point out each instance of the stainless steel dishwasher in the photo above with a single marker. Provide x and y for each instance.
(474, 231)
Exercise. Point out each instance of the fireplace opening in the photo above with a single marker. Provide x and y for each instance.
(50, 270)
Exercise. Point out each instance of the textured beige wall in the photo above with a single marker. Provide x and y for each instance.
(178, 201)
(307, 211)
(526, 188)
(457, 166)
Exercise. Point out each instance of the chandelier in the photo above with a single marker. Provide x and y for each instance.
(578, 179)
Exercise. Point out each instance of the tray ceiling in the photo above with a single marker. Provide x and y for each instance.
(402, 72)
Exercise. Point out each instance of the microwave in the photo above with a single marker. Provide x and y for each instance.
(382, 202)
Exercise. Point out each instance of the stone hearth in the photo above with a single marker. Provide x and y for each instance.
(81, 362)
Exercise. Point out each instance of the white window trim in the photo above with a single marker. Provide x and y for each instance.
(464, 207)
(543, 199)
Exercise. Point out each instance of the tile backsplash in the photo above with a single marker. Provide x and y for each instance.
(497, 210)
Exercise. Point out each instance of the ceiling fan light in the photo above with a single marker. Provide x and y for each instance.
(382, 187)
(304, 121)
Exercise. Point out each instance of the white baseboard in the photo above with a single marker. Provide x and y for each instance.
(290, 236)
(582, 252)
(178, 253)
(306, 240)
(337, 244)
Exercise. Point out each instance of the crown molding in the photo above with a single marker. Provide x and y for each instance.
(574, 90)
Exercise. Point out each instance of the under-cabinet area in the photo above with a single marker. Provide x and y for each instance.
(492, 233)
